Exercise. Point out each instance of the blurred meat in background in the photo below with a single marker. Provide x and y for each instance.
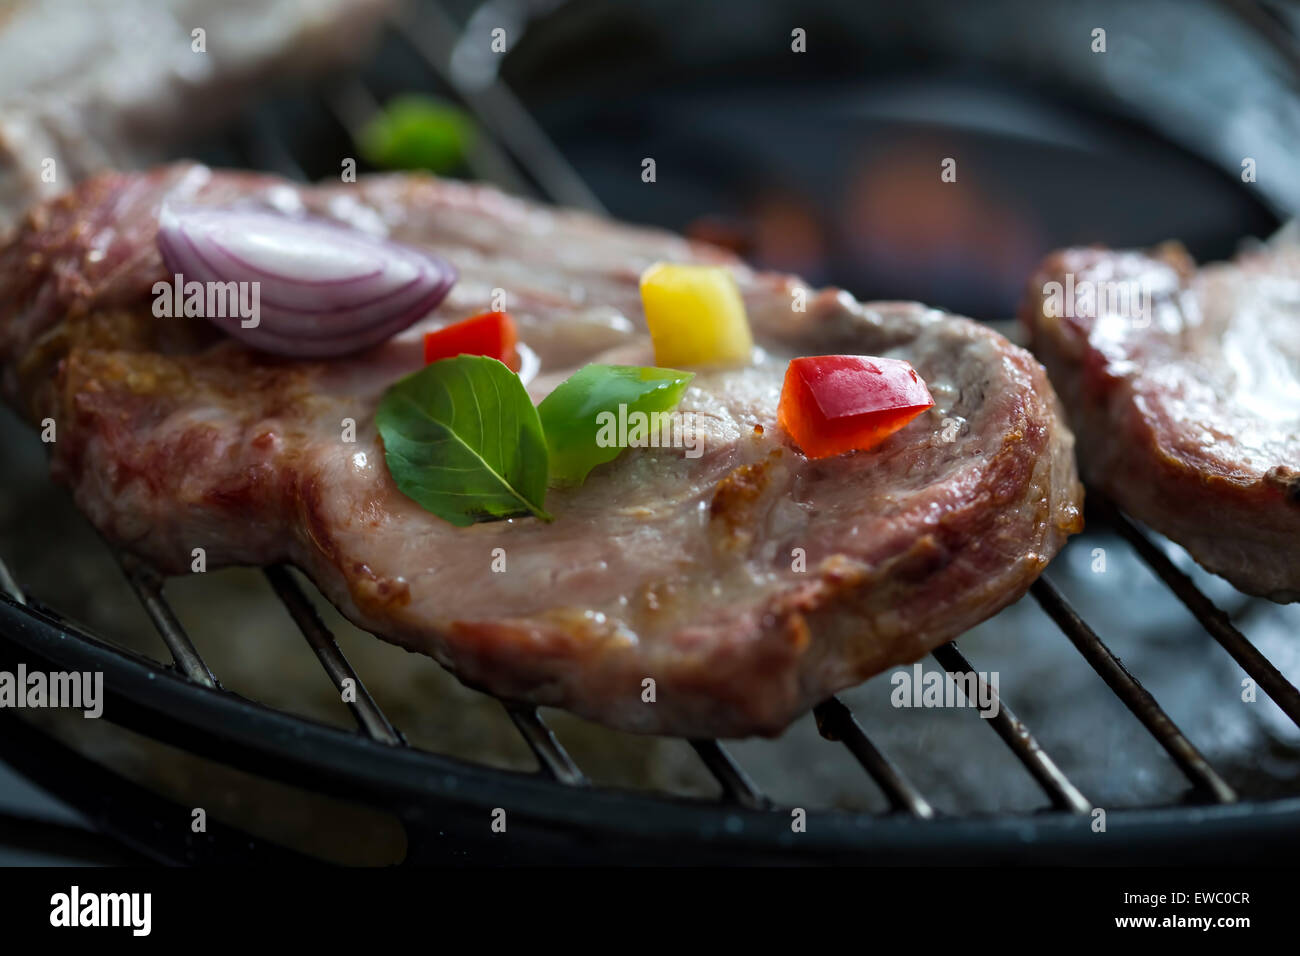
(87, 85)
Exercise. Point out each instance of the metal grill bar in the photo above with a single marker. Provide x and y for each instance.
(1135, 697)
(9, 586)
(1215, 621)
(736, 786)
(1063, 794)
(835, 721)
(148, 588)
(431, 33)
(261, 141)
(371, 719)
(353, 105)
(551, 755)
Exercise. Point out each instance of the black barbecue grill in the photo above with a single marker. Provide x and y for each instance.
(556, 813)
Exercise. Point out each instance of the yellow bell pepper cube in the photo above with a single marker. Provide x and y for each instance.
(696, 316)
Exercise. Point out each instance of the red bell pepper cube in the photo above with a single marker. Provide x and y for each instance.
(492, 334)
(832, 404)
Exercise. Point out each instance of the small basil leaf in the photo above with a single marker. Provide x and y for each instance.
(570, 413)
(463, 440)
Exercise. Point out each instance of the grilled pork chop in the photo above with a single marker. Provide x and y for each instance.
(747, 583)
(1185, 393)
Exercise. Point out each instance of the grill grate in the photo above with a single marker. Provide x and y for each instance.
(1215, 622)
(516, 142)
(371, 719)
(1063, 794)
(836, 722)
(1135, 697)
(148, 588)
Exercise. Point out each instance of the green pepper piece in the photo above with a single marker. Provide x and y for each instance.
(417, 132)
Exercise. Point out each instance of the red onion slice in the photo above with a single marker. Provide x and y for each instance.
(323, 288)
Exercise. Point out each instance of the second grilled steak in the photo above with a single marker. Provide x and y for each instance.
(748, 583)
(1183, 385)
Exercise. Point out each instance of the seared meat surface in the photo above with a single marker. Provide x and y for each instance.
(1188, 408)
(748, 583)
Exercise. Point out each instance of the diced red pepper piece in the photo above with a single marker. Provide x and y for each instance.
(492, 334)
(832, 404)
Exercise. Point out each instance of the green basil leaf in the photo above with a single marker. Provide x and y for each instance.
(463, 440)
(571, 415)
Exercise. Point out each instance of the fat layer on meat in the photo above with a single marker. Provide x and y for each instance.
(747, 583)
